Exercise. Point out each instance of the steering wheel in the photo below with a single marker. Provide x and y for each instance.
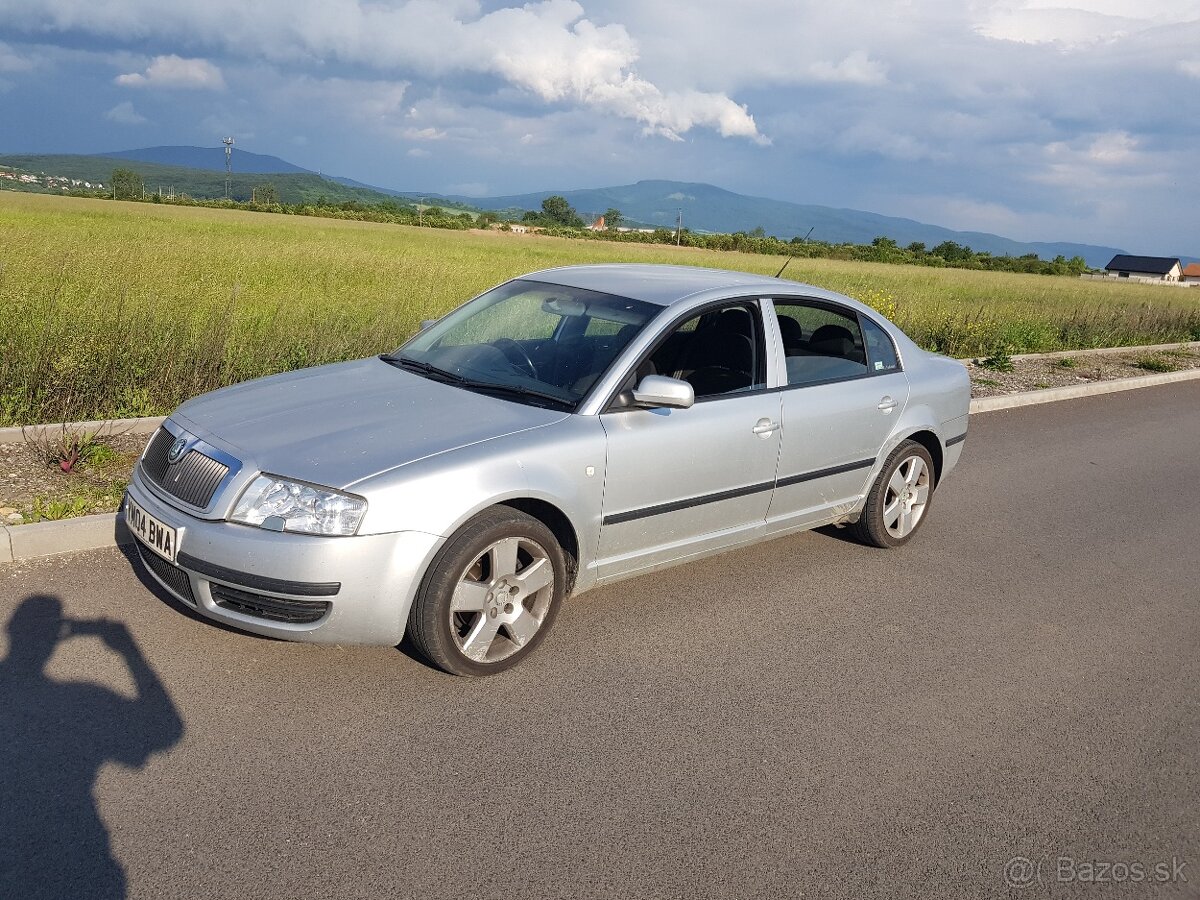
(516, 355)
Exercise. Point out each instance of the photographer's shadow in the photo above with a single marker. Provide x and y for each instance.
(54, 737)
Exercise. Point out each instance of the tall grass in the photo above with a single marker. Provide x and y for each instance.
(113, 309)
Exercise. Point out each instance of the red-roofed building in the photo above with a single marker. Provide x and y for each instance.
(1191, 273)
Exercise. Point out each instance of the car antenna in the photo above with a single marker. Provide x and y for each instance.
(790, 257)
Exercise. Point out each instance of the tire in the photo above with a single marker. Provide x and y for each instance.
(898, 501)
(490, 595)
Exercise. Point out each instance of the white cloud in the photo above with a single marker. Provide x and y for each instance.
(423, 134)
(1078, 23)
(176, 72)
(419, 153)
(125, 114)
(549, 49)
(1071, 27)
(1190, 67)
(1114, 161)
(1113, 148)
(857, 68)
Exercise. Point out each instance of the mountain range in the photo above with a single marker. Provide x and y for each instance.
(703, 207)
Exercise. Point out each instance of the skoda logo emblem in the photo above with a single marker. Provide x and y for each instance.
(176, 450)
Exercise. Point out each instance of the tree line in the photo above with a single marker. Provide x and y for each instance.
(558, 218)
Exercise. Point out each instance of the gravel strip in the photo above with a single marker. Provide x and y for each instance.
(1040, 374)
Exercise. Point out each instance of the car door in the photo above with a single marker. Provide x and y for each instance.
(845, 392)
(681, 482)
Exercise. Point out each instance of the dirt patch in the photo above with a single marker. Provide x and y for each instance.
(33, 489)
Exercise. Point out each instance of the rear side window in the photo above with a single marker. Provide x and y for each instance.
(881, 352)
(821, 343)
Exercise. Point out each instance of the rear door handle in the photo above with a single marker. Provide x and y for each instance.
(887, 404)
(765, 427)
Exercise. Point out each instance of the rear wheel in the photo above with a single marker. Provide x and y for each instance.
(490, 596)
(899, 499)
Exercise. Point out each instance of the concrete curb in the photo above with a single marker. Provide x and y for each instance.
(24, 542)
(41, 539)
(111, 426)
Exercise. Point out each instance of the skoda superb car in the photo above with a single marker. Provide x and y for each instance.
(561, 431)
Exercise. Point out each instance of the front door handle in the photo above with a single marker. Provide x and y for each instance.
(764, 427)
(887, 404)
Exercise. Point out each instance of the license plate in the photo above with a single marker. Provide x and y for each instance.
(156, 535)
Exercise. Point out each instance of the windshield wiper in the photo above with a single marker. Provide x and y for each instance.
(416, 365)
(407, 362)
(516, 390)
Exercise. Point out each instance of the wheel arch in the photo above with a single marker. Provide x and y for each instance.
(560, 526)
(933, 444)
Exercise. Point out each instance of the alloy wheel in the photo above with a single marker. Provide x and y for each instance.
(501, 599)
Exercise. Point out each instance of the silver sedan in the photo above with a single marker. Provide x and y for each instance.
(561, 431)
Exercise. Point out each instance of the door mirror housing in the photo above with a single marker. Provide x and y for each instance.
(658, 391)
(425, 323)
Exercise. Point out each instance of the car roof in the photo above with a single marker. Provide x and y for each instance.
(663, 284)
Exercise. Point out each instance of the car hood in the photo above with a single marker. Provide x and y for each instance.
(339, 424)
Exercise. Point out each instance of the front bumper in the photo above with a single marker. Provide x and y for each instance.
(351, 590)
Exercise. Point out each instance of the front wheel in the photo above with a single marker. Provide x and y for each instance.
(899, 499)
(491, 594)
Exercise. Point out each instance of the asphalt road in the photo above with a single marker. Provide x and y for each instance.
(804, 718)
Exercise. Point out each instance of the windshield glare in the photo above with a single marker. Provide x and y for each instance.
(543, 338)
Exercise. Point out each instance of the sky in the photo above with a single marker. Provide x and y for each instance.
(1057, 120)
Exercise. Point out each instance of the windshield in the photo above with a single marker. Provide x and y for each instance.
(536, 342)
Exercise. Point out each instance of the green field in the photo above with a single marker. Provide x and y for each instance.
(118, 309)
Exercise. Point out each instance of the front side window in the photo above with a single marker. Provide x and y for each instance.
(821, 343)
(719, 351)
(530, 341)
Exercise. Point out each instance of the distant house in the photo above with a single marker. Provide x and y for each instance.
(598, 225)
(1192, 274)
(1145, 268)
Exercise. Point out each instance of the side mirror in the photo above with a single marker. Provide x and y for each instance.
(425, 323)
(655, 391)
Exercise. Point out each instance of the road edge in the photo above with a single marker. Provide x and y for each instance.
(19, 543)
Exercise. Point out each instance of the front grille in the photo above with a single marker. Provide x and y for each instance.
(172, 576)
(276, 609)
(193, 479)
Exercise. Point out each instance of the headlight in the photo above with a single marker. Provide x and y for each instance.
(296, 506)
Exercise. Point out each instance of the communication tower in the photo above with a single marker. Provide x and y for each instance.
(228, 142)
